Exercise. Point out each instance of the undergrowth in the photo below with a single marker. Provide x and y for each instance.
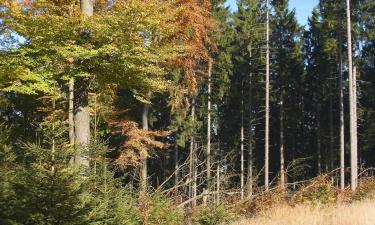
(365, 190)
(213, 215)
(318, 192)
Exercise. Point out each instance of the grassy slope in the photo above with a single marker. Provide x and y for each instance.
(361, 213)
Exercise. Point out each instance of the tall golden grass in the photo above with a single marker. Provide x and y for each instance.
(358, 213)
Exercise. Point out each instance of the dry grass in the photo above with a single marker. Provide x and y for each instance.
(361, 213)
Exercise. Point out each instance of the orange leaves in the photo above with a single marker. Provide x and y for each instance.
(196, 24)
(138, 142)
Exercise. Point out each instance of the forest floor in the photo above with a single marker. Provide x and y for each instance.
(359, 213)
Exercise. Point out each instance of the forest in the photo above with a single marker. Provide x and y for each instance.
(186, 112)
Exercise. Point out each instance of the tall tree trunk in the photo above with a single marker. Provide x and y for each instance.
(266, 139)
(71, 112)
(82, 121)
(71, 117)
(342, 131)
(71, 108)
(195, 169)
(355, 122)
(87, 7)
(242, 175)
(294, 159)
(192, 161)
(282, 163)
(301, 143)
(176, 164)
(208, 148)
(353, 138)
(218, 165)
(143, 177)
(82, 111)
(318, 144)
(191, 164)
(218, 182)
(331, 137)
(53, 148)
(249, 181)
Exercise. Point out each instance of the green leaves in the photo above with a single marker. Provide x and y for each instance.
(26, 71)
(128, 44)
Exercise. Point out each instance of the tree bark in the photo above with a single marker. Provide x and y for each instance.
(53, 147)
(218, 183)
(342, 128)
(218, 175)
(242, 175)
(249, 181)
(71, 117)
(193, 184)
(71, 112)
(353, 138)
(208, 148)
(266, 139)
(195, 169)
(82, 121)
(143, 177)
(87, 7)
(82, 111)
(176, 162)
(355, 124)
(331, 137)
(318, 138)
(294, 160)
(71, 109)
(282, 163)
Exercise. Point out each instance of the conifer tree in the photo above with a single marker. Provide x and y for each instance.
(287, 72)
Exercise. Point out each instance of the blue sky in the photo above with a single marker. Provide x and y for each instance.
(303, 8)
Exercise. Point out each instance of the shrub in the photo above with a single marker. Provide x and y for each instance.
(319, 191)
(38, 189)
(156, 209)
(365, 190)
(214, 215)
(113, 204)
(262, 202)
